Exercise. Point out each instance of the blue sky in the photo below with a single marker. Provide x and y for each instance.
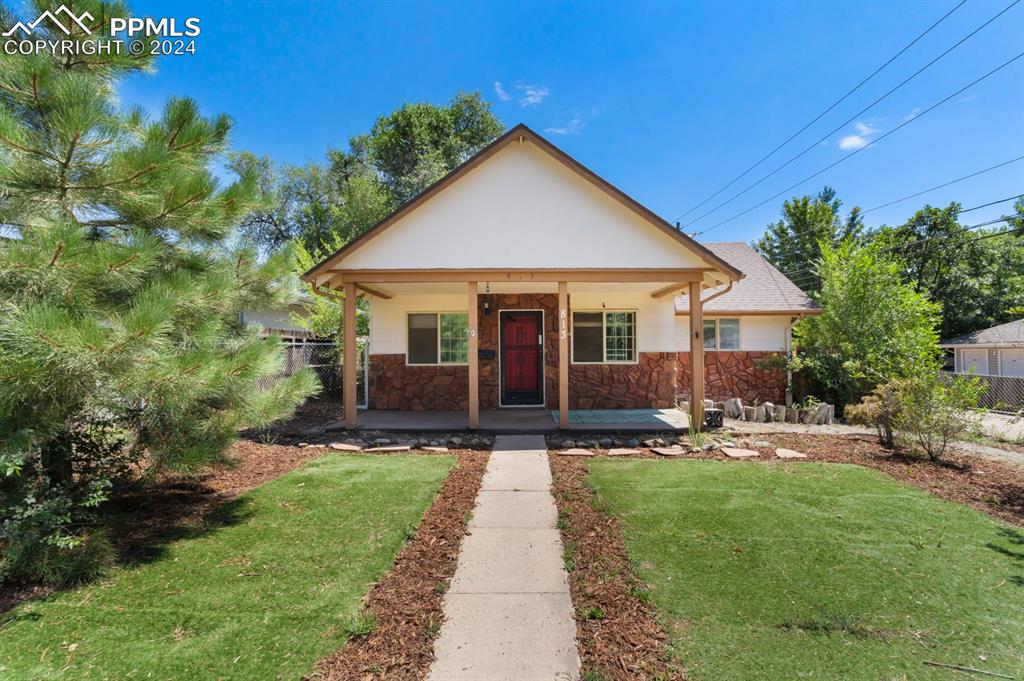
(668, 101)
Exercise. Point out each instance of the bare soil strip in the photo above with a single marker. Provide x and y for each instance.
(617, 629)
(406, 602)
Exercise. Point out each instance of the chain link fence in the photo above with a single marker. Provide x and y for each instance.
(326, 360)
(1002, 393)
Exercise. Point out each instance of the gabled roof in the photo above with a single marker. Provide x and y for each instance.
(764, 290)
(523, 133)
(1011, 333)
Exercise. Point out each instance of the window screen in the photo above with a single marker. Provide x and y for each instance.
(710, 337)
(728, 334)
(620, 336)
(454, 338)
(587, 333)
(423, 338)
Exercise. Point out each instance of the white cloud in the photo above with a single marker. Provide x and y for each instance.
(500, 92)
(912, 115)
(532, 94)
(865, 128)
(573, 127)
(852, 142)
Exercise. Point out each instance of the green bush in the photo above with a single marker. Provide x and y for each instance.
(935, 409)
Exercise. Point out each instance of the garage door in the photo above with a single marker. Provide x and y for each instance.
(974, 361)
(1012, 362)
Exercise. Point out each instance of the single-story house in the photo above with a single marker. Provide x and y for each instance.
(995, 351)
(523, 279)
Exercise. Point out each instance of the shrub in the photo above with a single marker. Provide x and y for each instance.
(879, 410)
(934, 409)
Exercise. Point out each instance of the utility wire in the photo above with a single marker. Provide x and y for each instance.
(819, 116)
(959, 212)
(866, 146)
(940, 186)
(855, 117)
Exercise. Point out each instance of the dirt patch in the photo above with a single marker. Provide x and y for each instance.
(992, 487)
(617, 629)
(406, 602)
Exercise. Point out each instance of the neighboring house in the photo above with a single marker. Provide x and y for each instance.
(522, 279)
(996, 351)
(281, 322)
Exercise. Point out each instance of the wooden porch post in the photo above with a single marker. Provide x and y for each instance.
(563, 355)
(351, 360)
(696, 357)
(474, 360)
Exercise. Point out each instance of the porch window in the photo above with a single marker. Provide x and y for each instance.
(603, 337)
(438, 338)
(722, 334)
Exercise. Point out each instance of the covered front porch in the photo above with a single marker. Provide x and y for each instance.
(522, 421)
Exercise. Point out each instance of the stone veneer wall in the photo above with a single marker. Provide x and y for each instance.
(650, 383)
(735, 374)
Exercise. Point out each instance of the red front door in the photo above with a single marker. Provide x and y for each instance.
(521, 358)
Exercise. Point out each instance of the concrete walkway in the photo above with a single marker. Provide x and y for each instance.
(508, 614)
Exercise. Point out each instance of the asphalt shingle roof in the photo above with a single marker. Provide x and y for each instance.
(763, 290)
(1011, 333)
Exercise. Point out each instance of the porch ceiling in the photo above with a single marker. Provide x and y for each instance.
(484, 288)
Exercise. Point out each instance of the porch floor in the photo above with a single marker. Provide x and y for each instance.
(522, 421)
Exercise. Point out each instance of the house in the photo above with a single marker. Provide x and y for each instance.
(281, 321)
(523, 279)
(995, 351)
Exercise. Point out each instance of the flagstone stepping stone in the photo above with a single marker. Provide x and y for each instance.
(435, 449)
(784, 453)
(734, 453)
(345, 447)
(389, 448)
(674, 450)
(576, 452)
(618, 451)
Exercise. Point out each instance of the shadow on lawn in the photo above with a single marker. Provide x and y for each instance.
(143, 523)
(1015, 538)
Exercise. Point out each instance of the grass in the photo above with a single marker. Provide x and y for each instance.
(267, 591)
(817, 571)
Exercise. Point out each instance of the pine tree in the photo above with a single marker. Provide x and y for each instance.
(120, 294)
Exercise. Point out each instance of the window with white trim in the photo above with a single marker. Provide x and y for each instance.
(438, 338)
(604, 337)
(722, 334)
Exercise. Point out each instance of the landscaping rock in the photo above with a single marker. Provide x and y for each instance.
(734, 408)
(618, 451)
(784, 453)
(733, 453)
(389, 448)
(433, 448)
(674, 450)
(749, 414)
(345, 447)
(382, 442)
(632, 442)
(335, 426)
(762, 443)
(654, 442)
(806, 416)
(769, 412)
(823, 415)
(576, 452)
(709, 404)
(760, 414)
(605, 442)
(792, 415)
(780, 413)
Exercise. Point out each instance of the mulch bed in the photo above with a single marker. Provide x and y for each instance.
(992, 487)
(406, 602)
(618, 634)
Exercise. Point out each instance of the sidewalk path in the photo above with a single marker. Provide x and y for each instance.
(508, 614)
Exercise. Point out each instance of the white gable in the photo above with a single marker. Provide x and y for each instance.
(521, 208)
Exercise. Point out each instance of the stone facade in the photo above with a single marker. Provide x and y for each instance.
(735, 374)
(650, 383)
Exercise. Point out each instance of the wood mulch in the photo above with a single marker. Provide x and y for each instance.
(406, 602)
(617, 631)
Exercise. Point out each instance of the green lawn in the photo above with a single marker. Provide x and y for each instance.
(262, 596)
(818, 571)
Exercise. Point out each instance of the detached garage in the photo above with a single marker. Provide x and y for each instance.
(997, 355)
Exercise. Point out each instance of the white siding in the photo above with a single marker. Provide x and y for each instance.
(759, 333)
(654, 317)
(278, 320)
(521, 208)
(388, 333)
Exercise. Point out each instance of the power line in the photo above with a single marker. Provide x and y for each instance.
(866, 146)
(856, 116)
(944, 184)
(959, 212)
(831, 106)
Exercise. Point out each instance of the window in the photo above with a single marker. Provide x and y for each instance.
(603, 337)
(722, 334)
(438, 338)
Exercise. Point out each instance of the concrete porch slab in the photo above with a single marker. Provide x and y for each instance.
(526, 421)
